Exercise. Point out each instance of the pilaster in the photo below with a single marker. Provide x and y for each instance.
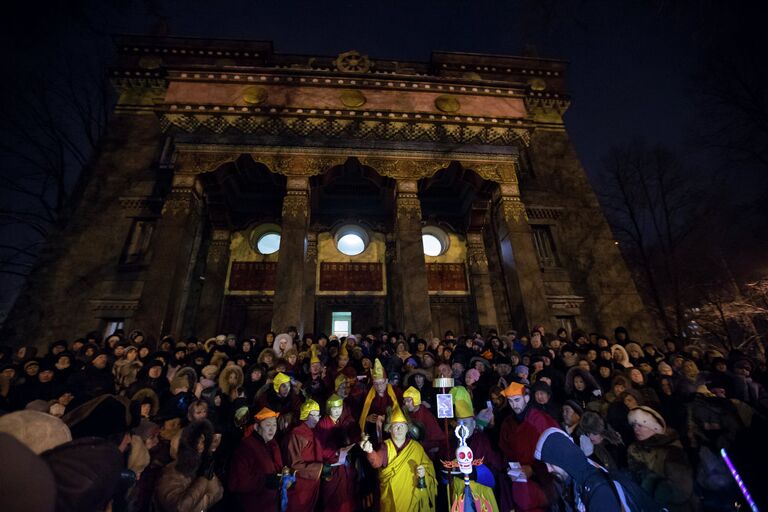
(212, 295)
(479, 279)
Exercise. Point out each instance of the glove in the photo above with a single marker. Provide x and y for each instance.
(586, 445)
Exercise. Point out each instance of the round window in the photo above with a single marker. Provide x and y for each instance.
(435, 241)
(432, 245)
(268, 243)
(351, 240)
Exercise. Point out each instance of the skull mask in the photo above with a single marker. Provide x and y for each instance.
(464, 455)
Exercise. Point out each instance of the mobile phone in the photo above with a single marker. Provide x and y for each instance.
(488, 404)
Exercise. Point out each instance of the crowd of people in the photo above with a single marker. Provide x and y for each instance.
(541, 422)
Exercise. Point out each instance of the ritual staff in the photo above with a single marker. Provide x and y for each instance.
(406, 476)
(532, 488)
(380, 397)
(433, 437)
(304, 456)
(485, 474)
(256, 463)
(336, 433)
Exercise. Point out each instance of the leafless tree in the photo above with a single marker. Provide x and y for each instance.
(652, 202)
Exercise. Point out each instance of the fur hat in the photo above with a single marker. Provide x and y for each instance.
(149, 395)
(209, 372)
(37, 430)
(180, 381)
(187, 456)
(191, 375)
(103, 416)
(224, 384)
(650, 418)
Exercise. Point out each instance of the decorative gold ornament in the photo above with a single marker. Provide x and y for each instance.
(352, 98)
(513, 209)
(537, 84)
(150, 62)
(447, 103)
(353, 62)
(254, 95)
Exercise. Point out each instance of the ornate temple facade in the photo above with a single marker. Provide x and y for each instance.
(240, 190)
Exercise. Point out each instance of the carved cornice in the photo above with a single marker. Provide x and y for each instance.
(546, 107)
(181, 201)
(567, 302)
(296, 205)
(311, 256)
(389, 126)
(408, 208)
(513, 209)
(478, 260)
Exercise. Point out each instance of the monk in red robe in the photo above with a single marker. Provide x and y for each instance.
(433, 436)
(519, 434)
(380, 397)
(256, 463)
(336, 433)
(304, 456)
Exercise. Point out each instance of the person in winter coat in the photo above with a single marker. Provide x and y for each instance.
(658, 462)
(256, 464)
(593, 489)
(188, 484)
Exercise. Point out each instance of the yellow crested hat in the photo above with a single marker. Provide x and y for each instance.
(462, 403)
(279, 380)
(413, 393)
(343, 350)
(307, 407)
(378, 370)
(340, 379)
(313, 357)
(397, 416)
(265, 413)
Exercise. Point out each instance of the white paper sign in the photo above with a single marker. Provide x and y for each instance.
(444, 405)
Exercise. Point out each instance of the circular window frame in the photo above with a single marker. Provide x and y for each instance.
(351, 229)
(440, 235)
(261, 231)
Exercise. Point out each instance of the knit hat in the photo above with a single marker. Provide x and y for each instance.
(521, 368)
(37, 430)
(644, 415)
(575, 406)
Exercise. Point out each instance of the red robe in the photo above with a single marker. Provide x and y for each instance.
(517, 442)
(337, 493)
(304, 455)
(253, 461)
(434, 435)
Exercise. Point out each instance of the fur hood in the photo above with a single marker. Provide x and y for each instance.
(187, 457)
(224, 384)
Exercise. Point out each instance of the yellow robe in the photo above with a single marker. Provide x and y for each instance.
(398, 481)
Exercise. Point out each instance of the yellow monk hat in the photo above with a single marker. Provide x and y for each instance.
(307, 407)
(378, 370)
(313, 359)
(413, 393)
(279, 380)
(265, 413)
(343, 350)
(334, 401)
(397, 416)
(514, 389)
(462, 403)
(340, 379)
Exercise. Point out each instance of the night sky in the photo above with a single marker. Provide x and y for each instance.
(633, 65)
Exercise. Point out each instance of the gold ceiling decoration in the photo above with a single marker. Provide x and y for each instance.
(254, 95)
(537, 84)
(352, 99)
(353, 62)
(447, 104)
(150, 62)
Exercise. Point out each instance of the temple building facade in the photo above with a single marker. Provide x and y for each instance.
(241, 190)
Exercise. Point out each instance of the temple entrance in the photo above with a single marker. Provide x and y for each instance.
(349, 315)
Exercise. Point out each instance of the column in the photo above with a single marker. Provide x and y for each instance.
(289, 291)
(394, 319)
(212, 295)
(417, 316)
(521, 266)
(480, 282)
(310, 279)
(172, 254)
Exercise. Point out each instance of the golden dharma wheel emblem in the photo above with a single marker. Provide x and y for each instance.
(254, 95)
(353, 62)
(150, 62)
(537, 84)
(352, 99)
(447, 103)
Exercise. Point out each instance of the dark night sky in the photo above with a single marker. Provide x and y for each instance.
(632, 62)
